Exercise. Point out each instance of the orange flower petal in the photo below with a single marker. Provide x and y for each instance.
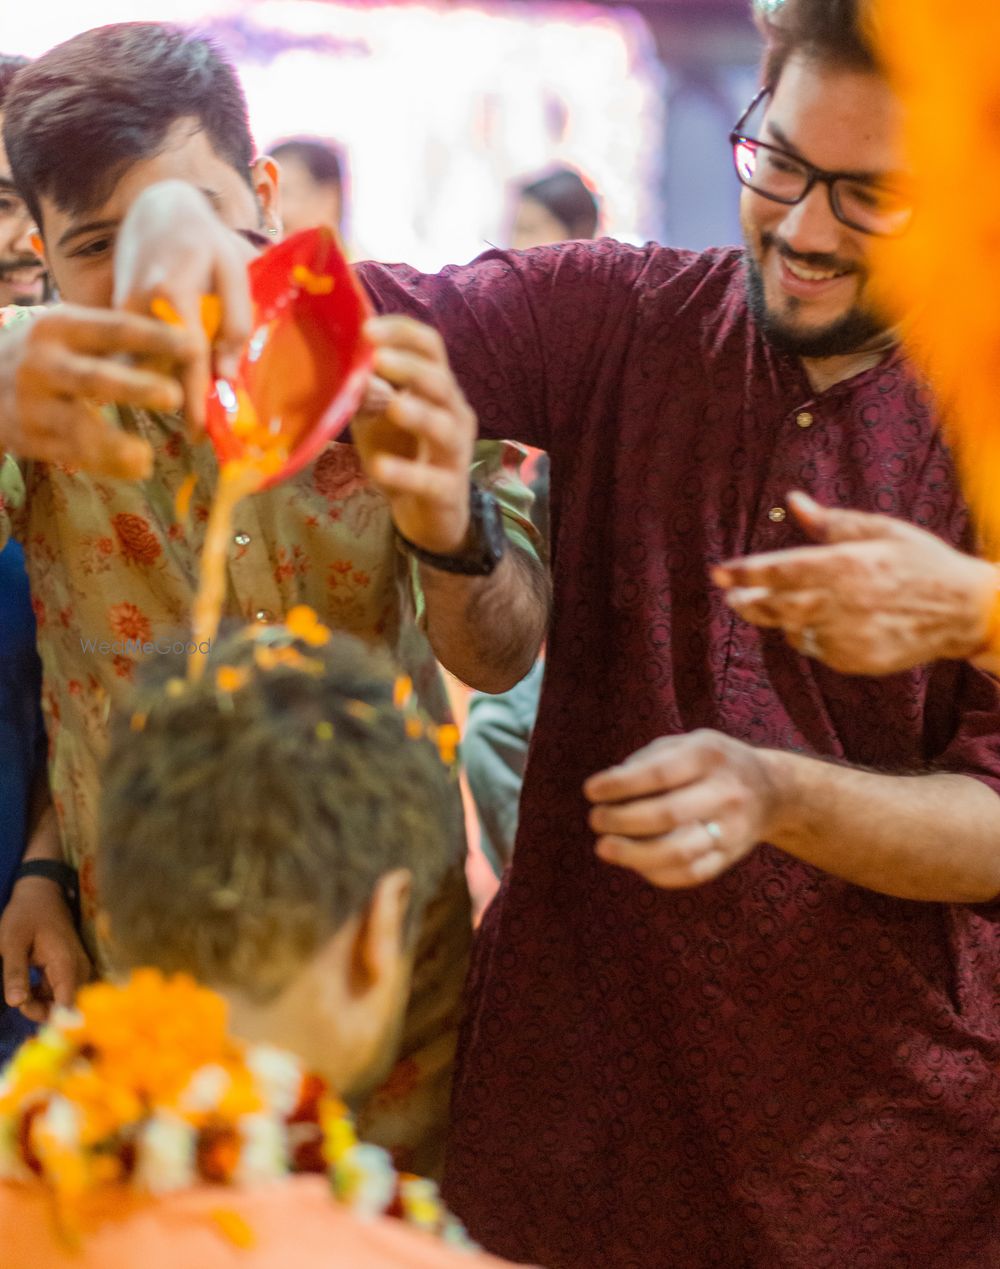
(182, 502)
(312, 283)
(235, 1228)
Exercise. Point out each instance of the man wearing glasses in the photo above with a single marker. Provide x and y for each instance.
(756, 1022)
(736, 1002)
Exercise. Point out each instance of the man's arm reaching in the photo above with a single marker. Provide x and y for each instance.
(416, 443)
(686, 808)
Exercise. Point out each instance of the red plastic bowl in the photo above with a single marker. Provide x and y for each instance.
(307, 362)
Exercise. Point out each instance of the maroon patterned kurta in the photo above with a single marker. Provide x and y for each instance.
(777, 1068)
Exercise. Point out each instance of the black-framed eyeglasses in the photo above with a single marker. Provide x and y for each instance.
(858, 202)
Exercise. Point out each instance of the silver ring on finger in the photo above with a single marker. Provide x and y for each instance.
(714, 829)
(809, 643)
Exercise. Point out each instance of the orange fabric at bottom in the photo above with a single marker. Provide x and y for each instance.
(294, 1225)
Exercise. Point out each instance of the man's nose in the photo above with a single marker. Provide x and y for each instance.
(810, 227)
(21, 244)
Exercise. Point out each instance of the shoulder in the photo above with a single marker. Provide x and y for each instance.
(205, 1226)
(603, 261)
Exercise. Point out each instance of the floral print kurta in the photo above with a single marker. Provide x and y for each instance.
(112, 565)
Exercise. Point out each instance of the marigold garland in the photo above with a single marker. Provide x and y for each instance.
(141, 1084)
(945, 65)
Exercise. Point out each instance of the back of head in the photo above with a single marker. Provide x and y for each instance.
(88, 109)
(321, 159)
(247, 817)
(565, 196)
(836, 32)
(10, 64)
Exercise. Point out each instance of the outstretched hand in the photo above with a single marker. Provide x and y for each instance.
(876, 596)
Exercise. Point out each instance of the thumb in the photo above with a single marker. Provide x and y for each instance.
(835, 524)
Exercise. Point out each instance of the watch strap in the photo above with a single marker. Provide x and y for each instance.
(63, 874)
(486, 552)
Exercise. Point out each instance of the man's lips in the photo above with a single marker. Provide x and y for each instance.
(807, 282)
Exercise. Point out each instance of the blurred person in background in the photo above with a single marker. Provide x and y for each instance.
(313, 183)
(22, 738)
(557, 207)
(22, 274)
(499, 726)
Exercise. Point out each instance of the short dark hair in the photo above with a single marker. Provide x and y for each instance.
(88, 109)
(837, 32)
(10, 64)
(322, 159)
(564, 194)
(247, 816)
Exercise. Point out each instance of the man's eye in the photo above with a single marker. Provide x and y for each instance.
(10, 206)
(98, 247)
(777, 163)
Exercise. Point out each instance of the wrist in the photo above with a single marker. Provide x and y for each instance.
(450, 539)
(478, 552)
(44, 841)
(56, 874)
(782, 790)
(982, 635)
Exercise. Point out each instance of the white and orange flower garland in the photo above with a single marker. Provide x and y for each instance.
(142, 1085)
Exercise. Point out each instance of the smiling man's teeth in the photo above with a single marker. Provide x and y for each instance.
(812, 275)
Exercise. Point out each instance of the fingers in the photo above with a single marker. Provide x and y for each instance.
(76, 434)
(71, 375)
(429, 380)
(398, 476)
(689, 856)
(196, 380)
(663, 813)
(836, 524)
(105, 332)
(407, 335)
(14, 949)
(377, 396)
(793, 569)
(439, 428)
(61, 958)
(666, 764)
(786, 610)
(233, 289)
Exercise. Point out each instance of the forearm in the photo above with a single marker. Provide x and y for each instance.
(930, 837)
(43, 841)
(488, 631)
(43, 827)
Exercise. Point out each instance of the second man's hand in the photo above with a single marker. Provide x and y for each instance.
(173, 247)
(417, 445)
(683, 809)
(55, 371)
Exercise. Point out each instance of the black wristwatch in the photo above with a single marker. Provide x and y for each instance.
(487, 540)
(62, 874)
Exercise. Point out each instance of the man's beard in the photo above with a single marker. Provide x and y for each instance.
(856, 330)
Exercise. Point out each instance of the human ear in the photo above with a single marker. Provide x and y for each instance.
(379, 941)
(266, 175)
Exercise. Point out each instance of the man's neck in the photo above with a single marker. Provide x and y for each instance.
(824, 372)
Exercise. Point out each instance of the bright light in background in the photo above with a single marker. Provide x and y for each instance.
(438, 108)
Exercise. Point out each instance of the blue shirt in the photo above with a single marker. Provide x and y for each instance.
(21, 734)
